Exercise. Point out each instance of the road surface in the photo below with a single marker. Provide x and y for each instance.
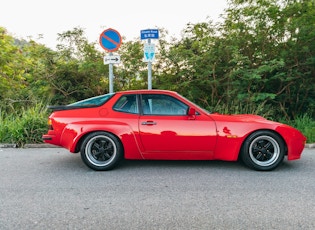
(50, 188)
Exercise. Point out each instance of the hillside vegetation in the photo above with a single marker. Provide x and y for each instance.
(259, 59)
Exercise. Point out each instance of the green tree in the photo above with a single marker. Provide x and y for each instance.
(12, 72)
(80, 71)
(267, 36)
(131, 73)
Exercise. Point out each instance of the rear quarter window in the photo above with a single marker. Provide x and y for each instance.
(127, 104)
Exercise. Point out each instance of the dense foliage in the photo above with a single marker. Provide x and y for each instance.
(259, 59)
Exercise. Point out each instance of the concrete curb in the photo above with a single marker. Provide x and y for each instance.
(40, 146)
(310, 146)
(7, 145)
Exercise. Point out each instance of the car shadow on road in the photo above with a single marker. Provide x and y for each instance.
(179, 164)
(214, 165)
(74, 161)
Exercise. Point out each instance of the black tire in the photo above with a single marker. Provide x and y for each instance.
(101, 151)
(263, 150)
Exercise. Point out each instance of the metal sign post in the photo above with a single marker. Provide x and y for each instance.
(111, 76)
(149, 50)
(110, 40)
(149, 71)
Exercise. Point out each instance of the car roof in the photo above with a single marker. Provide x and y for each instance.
(145, 91)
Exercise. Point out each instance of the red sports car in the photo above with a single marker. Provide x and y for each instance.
(163, 125)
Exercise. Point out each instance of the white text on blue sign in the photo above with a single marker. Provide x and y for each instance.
(150, 34)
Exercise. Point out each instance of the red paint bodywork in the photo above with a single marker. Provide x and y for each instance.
(206, 136)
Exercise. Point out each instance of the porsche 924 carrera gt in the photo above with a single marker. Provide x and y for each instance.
(163, 125)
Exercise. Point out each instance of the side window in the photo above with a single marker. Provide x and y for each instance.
(127, 104)
(156, 104)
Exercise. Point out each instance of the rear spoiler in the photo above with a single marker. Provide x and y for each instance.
(69, 107)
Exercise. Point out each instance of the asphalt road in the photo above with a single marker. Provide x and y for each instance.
(49, 188)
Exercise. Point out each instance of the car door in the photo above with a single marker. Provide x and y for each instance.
(168, 132)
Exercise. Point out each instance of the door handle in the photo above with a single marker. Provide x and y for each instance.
(148, 123)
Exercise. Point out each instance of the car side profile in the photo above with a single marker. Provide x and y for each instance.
(163, 125)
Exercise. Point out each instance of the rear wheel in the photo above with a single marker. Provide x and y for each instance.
(101, 151)
(263, 150)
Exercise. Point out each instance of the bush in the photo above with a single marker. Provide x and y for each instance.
(26, 126)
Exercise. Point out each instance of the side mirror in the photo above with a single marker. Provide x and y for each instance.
(192, 113)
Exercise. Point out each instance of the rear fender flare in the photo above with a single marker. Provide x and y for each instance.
(74, 134)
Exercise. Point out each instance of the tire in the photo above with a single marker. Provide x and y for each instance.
(101, 151)
(263, 151)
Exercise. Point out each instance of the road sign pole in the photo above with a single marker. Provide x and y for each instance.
(149, 71)
(111, 76)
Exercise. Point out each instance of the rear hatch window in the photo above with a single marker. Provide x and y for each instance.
(87, 103)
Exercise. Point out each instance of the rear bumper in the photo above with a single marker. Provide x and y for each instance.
(47, 138)
(51, 139)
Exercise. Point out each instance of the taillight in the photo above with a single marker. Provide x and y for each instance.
(50, 124)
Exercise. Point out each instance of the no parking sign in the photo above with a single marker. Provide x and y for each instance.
(110, 40)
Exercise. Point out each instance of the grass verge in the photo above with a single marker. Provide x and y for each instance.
(28, 125)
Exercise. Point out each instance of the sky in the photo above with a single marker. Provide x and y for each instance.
(33, 19)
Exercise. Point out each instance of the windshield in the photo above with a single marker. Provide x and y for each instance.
(93, 101)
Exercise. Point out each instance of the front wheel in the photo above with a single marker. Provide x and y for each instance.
(101, 151)
(263, 150)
